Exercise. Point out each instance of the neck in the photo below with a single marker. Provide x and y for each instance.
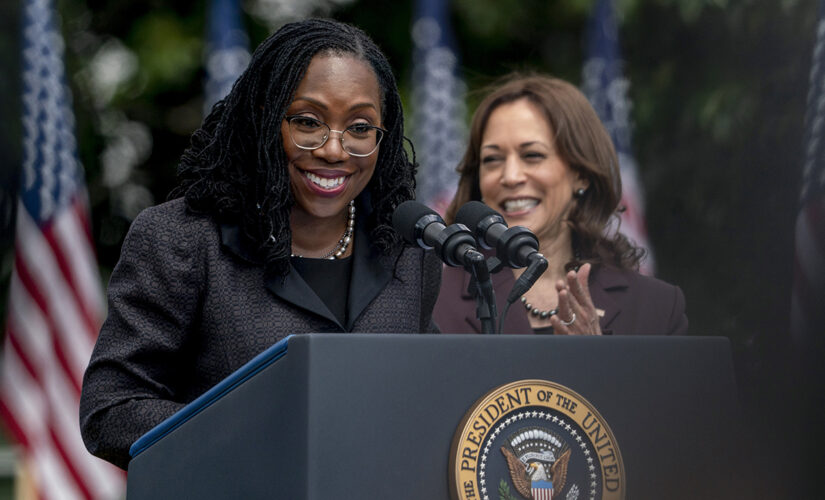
(557, 248)
(314, 237)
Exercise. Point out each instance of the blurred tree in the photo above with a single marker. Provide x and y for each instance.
(720, 108)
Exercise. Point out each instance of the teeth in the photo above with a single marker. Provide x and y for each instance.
(325, 182)
(520, 204)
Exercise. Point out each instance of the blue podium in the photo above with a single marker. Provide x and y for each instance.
(365, 416)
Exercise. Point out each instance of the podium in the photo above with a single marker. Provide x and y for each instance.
(366, 416)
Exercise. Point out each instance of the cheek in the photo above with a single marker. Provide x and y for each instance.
(367, 169)
(370, 172)
(289, 148)
(557, 179)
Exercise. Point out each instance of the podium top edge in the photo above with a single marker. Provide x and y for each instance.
(253, 366)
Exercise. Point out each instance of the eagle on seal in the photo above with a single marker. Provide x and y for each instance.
(524, 476)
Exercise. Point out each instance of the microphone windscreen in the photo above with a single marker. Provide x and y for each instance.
(406, 216)
(473, 212)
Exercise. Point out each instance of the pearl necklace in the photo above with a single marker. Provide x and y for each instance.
(340, 248)
(535, 311)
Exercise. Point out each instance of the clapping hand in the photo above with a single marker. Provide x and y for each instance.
(577, 315)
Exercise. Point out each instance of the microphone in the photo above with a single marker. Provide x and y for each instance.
(515, 246)
(420, 225)
(455, 245)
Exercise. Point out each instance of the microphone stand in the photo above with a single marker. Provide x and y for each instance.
(481, 288)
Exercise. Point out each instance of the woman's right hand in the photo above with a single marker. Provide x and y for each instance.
(577, 315)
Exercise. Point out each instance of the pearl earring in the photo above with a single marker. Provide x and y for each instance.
(579, 193)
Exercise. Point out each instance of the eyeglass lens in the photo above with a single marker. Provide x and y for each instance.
(359, 139)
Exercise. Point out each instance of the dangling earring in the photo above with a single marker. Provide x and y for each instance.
(579, 193)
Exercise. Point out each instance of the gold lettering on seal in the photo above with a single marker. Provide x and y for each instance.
(540, 397)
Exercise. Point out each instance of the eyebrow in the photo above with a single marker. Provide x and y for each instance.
(522, 145)
(323, 106)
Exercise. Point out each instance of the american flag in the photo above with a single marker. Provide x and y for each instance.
(808, 295)
(606, 88)
(438, 126)
(227, 50)
(55, 299)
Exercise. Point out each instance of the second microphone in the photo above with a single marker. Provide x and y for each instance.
(420, 225)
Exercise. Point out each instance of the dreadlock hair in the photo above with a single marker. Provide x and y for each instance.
(583, 143)
(235, 168)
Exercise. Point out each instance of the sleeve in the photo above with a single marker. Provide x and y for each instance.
(154, 293)
(431, 284)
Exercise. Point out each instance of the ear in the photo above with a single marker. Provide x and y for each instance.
(581, 182)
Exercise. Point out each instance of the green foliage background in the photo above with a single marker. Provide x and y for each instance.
(718, 87)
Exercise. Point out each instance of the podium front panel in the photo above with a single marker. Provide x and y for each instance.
(373, 416)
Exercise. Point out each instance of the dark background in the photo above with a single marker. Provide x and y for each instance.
(719, 92)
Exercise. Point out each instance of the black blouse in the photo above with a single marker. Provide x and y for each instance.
(329, 279)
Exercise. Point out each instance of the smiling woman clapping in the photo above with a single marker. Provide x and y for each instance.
(539, 155)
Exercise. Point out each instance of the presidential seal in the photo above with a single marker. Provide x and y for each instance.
(535, 439)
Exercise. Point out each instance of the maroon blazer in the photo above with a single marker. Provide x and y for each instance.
(633, 304)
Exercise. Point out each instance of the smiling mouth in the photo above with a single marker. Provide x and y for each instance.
(519, 204)
(325, 182)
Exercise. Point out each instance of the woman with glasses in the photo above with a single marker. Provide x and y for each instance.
(539, 155)
(281, 224)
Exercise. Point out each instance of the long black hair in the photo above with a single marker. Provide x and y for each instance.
(236, 169)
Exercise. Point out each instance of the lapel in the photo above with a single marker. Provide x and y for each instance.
(371, 271)
(291, 288)
(233, 240)
(603, 282)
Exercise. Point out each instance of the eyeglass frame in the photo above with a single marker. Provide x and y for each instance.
(289, 119)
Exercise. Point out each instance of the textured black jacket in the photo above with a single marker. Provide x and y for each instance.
(188, 305)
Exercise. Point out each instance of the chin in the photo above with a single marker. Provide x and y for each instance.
(324, 210)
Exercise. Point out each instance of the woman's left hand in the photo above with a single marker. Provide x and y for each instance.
(577, 315)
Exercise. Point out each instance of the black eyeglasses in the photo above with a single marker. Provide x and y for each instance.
(359, 139)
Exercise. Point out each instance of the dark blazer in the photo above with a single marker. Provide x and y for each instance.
(189, 304)
(633, 304)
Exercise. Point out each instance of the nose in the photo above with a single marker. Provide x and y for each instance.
(333, 149)
(512, 173)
